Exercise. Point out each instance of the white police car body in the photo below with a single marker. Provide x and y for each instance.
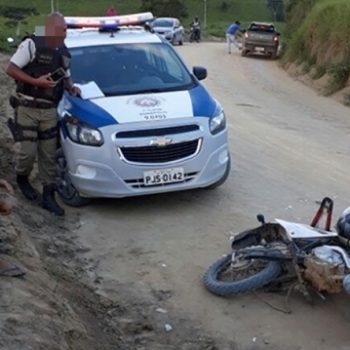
(145, 124)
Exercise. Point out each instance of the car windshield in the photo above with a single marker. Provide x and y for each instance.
(163, 23)
(130, 68)
(262, 28)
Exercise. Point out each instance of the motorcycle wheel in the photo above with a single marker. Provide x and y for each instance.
(225, 280)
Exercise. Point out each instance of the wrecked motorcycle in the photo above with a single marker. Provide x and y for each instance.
(308, 257)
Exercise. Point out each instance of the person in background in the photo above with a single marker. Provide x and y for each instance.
(111, 11)
(196, 30)
(231, 35)
(38, 92)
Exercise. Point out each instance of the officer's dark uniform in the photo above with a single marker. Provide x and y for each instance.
(36, 117)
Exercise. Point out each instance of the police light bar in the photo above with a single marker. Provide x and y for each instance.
(110, 22)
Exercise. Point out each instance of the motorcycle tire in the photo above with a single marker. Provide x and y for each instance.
(229, 288)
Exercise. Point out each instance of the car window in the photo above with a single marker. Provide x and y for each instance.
(163, 23)
(130, 68)
(262, 28)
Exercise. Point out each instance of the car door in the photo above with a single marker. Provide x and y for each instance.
(176, 30)
(180, 31)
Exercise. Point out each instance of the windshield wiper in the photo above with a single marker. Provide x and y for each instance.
(145, 91)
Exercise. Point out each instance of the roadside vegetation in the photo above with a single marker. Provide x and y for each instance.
(22, 16)
(318, 39)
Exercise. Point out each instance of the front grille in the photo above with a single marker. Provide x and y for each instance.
(160, 154)
(139, 183)
(157, 132)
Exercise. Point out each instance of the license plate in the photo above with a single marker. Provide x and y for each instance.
(163, 176)
(260, 49)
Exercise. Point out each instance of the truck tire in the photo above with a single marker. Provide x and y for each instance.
(274, 55)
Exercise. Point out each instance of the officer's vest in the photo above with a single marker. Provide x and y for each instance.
(46, 60)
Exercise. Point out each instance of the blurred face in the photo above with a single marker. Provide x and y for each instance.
(55, 30)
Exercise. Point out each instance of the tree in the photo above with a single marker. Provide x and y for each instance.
(277, 8)
(17, 15)
(162, 8)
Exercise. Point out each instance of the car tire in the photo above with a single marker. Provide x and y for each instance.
(66, 190)
(181, 42)
(223, 178)
(274, 55)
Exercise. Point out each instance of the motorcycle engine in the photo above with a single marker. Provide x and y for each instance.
(324, 270)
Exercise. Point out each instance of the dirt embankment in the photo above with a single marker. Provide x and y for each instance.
(317, 50)
(56, 305)
(321, 84)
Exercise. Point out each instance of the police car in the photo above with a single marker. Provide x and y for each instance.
(143, 124)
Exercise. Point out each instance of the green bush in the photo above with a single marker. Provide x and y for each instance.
(163, 8)
(318, 36)
(340, 75)
(320, 71)
(224, 6)
(347, 100)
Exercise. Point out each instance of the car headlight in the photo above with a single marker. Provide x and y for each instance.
(82, 134)
(217, 123)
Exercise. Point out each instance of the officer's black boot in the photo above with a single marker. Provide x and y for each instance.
(28, 191)
(49, 202)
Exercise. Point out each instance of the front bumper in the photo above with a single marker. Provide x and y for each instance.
(102, 171)
(168, 36)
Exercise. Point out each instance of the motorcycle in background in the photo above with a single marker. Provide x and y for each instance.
(195, 33)
(275, 252)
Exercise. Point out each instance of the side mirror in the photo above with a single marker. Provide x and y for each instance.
(200, 72)
(278, 34)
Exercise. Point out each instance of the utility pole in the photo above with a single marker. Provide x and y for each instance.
(52, 6)
(205, 14)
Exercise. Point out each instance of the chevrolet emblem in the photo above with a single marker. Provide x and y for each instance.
(161, 142)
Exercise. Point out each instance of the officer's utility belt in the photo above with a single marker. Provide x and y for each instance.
(29, 133)
(31, 102)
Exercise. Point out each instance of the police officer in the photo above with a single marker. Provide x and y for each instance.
(38, 93)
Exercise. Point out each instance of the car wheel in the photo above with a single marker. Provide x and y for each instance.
(181, 41)
(274, 55)
(65, 188)
(223, 178)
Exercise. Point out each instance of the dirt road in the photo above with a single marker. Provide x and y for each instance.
(290, 147)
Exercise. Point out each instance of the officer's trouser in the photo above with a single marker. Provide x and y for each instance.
(39, 138)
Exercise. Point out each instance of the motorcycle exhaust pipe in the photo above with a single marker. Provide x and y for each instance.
(346, 284)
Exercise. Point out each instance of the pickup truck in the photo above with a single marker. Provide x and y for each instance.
(260, 38)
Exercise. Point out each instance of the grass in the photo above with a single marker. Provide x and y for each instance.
(320, 39)
(220, 13)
